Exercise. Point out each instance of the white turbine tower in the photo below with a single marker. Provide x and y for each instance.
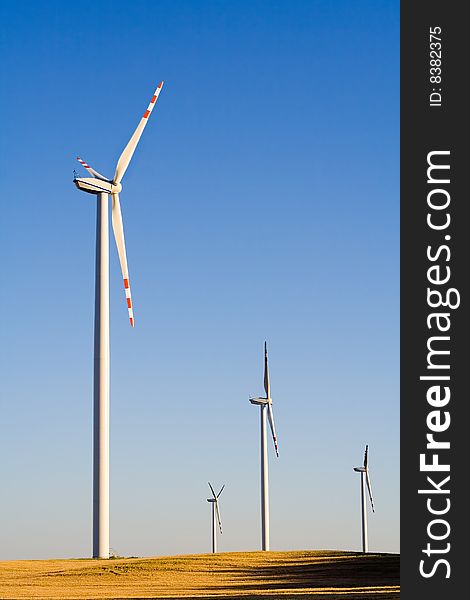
(102, 187)
(365, 480)
(215, 517)
(266, 408)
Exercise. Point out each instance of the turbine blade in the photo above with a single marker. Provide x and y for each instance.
(370, 491)
(121, 248)
(92, 171)
(366, 456)
(221, 490)
(128, 151)
(267, 386)
(273, 429)
(218, 514)
(212, 490)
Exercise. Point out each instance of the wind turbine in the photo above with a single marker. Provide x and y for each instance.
(215, 516)
(266, 408)
(365, 480)
(101, 187)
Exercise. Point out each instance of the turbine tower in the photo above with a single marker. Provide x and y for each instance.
(365, 480)
(215, 516)
(266, 408)
(101, 187)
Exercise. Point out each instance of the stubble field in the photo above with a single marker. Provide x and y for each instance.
(236, 575)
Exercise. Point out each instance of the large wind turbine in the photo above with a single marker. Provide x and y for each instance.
(215, 516)
(365, 480)
(101, 187)
(266, 408)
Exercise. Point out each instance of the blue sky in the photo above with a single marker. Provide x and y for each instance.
(262, 203)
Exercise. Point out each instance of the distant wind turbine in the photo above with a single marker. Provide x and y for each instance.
(365, 480)
(266, 408)
(215, 516)
(101, 187)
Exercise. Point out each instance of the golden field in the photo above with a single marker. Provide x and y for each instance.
(235, 575)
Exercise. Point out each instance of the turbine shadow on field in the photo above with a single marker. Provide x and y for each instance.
(348, 576)
(347, 572)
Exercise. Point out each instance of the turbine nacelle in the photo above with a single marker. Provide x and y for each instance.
(92, 185)
(360, 469)
(261, 401)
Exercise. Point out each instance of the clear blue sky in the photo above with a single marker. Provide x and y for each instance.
(262, 203)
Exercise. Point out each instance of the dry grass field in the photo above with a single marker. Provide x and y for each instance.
(236, 575)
